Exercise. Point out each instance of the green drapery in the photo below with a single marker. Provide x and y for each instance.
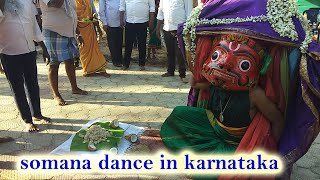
(307, 4)
(197, 130)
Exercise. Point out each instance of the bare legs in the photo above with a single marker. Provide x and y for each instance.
(53, 79)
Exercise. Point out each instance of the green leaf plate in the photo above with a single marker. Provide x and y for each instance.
(117, 134)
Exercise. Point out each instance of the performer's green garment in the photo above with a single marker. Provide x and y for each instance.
(198, 130)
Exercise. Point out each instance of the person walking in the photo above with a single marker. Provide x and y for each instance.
(138, 14)
(92, 60)
(170, 14)
(110, 16)
(59, 21)
(18, 30)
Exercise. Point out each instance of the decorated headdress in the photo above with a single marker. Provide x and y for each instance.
(277, 22)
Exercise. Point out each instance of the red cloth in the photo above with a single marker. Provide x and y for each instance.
(258, 135)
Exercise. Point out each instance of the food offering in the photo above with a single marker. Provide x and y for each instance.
(99, 136)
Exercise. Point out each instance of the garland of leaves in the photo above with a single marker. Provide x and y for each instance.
(279, 15)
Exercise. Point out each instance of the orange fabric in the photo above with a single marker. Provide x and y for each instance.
(91, 57)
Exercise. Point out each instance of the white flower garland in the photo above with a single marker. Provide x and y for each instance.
(190, 28)
(279, 15)
(307, 29)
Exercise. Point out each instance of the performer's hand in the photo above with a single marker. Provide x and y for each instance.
(192, 82)
(269, 109)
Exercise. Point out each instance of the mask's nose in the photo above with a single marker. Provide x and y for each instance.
(225, 63)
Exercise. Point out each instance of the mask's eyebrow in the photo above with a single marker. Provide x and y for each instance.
(224, 47)
(246, 53)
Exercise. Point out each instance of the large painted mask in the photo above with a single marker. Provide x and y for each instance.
(234, 63)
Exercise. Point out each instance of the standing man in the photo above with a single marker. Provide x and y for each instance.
(59, 24)
(138, 14)
(18, 30)
(110, 17)
(171, 13)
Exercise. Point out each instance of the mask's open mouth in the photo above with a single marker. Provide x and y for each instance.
(219, 75)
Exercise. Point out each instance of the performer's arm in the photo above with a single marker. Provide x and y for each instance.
(269, 110)
(202, 85)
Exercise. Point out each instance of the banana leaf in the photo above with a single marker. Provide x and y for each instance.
(117, 134)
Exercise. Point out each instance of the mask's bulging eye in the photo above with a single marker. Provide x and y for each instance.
(245, 65)
(215, 56)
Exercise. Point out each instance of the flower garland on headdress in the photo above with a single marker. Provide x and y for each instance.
(279, 15)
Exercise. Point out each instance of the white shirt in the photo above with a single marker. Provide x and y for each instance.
(174, 12)
(137, 11)
(17, 31)
(58, 20)
(109, 12)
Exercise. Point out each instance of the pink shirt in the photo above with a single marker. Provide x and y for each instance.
(18, 31)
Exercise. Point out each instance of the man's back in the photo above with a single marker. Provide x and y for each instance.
(174, 12)
(137, 11)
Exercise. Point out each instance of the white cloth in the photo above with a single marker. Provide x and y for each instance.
(174, 12)
(137, 11)
(19, 28)
(123, 146)
(62, 20)
(109, 12)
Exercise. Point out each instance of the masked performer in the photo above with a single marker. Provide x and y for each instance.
(255, 81)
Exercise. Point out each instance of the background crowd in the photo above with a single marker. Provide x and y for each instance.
(68, 30)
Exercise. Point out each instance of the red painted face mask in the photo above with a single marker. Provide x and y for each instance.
(232, 65)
